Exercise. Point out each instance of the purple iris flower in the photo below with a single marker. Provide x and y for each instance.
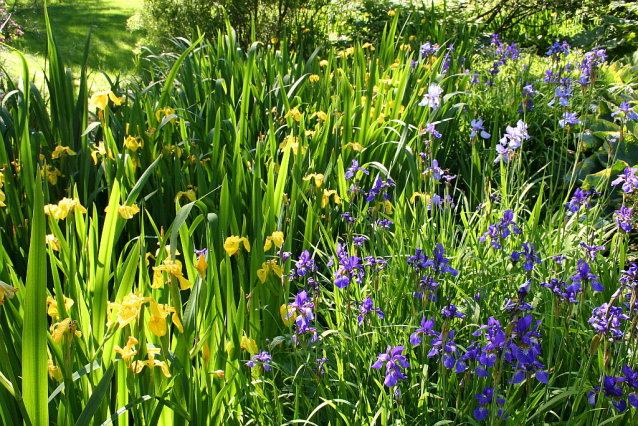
(349, 267)
(358, 241)
(429, 49)
(446, 349)
(584, 275)
(385, 223)
(495, 337)
(393, 361)
(352, 170)
(367, 307)
(472, 354)
(629, 178)
(432, 99)
(380, 187)
(348, 218)
(592, 251)
(477, 126)
(201, 252)
(557, 49)
(305, 264)
(485, 401)
(431, 129)
(611, 388)
(569, 119)
(263, 357)
(606, 320)
(531, 256)
(563, 291)
(428, 285)
(499, 231)
(450, 311)
(624, 219)
(563, 94)
(426, 329)
(626, 111)
(580, 198)
(632, 382)
(440, 264)
(321, 365)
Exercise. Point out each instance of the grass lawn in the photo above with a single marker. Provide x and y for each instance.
(111, 43)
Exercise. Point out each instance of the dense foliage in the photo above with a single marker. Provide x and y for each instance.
(409, 231)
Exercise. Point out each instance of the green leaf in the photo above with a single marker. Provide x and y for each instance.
(96, 398)
(34, 333)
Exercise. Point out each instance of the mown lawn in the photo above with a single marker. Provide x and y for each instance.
(111, 43)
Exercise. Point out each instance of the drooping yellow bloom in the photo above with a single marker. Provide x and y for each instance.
(248, 344)
(166, 111)
(218, 373)
(367, 45)
(52, 174)
(127, 212)
(412, 37)
(52, 306)
(206, 355)
(100, 100)
(54, 371)
(133, 143)
(101, 150)
(67, 326)
(53, 242)
(294, 145)
(325, 199)
(391, 13)
(288, 314)
(2, 198)
(277, 237)
(60, 151)
(127, 311)
(63, 208)
(231, 245)
(321, 115)
(274, 40)
(313, 78)
(174, 268)
(356, 146)
(296, 115)
(128, 351)
(266, 267)
(157, 324)
(189, 195)
(416, 195)
(406, 47)
(201, 265)
(138, 366)
(6, 290)
(323, 63)
(318, 177)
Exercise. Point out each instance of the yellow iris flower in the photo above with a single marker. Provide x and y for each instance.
(52, 174)
(63, 208)
(356, 146)
(325, 199)
(231, 245)
(201, 265)
(52, 306)
(138, 366)
(157, 324)
(6, 290)
(318, 177)
(296, 115)
(266, 267)
(127, 311)
(277, 237)
(288, 314)
(128, 351)
(60, 151)
(420, 195)
(323, 63)
(294, 145)
(53, 242)
(166, 111)
(174, 268)
(54, 371)
(68, 327)
(2, 198)
(189, 195)
(100, 100)
(133, 143)
(313, 78)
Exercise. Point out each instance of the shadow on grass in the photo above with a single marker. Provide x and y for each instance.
(111, 46)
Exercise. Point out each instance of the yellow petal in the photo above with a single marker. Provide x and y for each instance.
(54, 371)
(268, 244)
(201, 266)
(286, 310)
(184, 283)
(177, 322)
(158, 279)
(261, 273)
(157, 325)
